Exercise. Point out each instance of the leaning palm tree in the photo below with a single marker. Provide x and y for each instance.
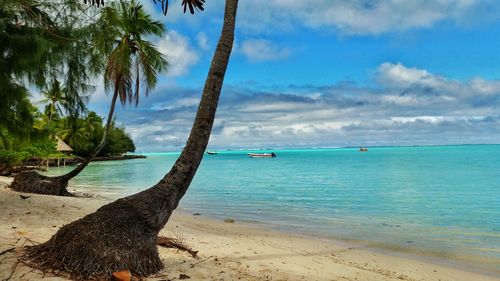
(126, 57)
(121, 235)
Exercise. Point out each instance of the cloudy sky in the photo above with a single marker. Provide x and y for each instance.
(328, 73)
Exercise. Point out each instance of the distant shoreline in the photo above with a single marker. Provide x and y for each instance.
(42, 164)
(326, 147)
(119, 157)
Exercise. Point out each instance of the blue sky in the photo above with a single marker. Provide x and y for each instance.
(326, 73)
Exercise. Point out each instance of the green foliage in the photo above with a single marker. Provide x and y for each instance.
(19, 155)
(11, 158)
(118, 143)
(123, 52)
(84, 134)
(56, 46)
(41, 40)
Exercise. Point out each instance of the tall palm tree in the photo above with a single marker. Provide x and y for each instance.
(126, 57)
(54, 99)
(121, 235)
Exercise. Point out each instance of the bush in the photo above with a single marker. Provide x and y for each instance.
(41, 150)
(10, 158)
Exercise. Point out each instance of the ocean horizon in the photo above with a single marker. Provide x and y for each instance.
(440, 200)
(222, 149)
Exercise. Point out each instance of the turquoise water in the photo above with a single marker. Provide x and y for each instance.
(442, 200)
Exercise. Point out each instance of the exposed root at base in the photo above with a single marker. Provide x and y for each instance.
(114, 238)
(175, 243)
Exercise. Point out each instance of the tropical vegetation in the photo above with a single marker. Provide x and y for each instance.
(122, 235)
(82, 134)
(44, 45)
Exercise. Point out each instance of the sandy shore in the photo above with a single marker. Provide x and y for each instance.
(227, 251)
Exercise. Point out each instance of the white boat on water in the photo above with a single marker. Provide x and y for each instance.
(262, 155)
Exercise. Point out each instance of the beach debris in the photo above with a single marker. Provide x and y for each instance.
(175, 243)
(123, 275)
(6, 251)
(24, 197)
(184, 276)
(14, 267)
(196, 214)
(194, 264)
(229, 220)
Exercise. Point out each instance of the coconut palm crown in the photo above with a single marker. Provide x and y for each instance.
(127, 58)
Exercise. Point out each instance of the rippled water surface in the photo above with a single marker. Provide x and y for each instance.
(443, 200)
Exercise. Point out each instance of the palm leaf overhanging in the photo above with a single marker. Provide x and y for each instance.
(191, 4)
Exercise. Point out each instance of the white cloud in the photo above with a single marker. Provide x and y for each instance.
(354, 17)
(258, 50)
(401, 76)
(182, 102)
(179, 53)
(408, 106)
(202, 40)
(416, 81)
(358, 17)
(485, 87)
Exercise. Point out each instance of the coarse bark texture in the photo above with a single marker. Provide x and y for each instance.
(122, 234)
(33, 182)
(113, 238)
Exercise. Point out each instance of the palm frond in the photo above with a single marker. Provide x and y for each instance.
(128, 57)
(193, 5)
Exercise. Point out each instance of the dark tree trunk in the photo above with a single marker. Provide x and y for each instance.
(121, 235)
(33, 182)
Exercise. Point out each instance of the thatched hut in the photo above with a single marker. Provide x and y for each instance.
(63, 147)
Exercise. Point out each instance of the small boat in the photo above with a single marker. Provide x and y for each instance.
(211, 152)
(363, 149)
(262, 155)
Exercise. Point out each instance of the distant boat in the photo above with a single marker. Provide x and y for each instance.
(363, 149)
(211, 152)
(262, 155)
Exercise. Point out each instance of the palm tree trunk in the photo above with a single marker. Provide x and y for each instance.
(164, 197)
(73, 173)
(33, 182)
(121, 235)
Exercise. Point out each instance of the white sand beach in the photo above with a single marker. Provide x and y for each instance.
(227, 251)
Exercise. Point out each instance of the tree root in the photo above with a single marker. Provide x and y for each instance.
(114, 238)
(175, 243)
(33, 182)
